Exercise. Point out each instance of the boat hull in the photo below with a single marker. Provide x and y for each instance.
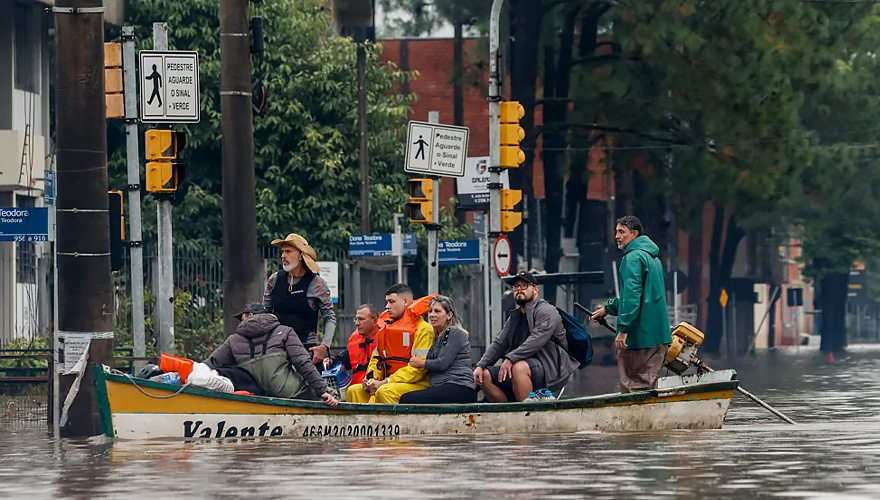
(128, 413)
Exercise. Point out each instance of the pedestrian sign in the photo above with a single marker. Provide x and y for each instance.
(434, 149)
(169, 82)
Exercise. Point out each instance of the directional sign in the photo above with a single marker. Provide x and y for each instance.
(24, 224)
(169, 82)
(459, 252)
(378, 245)
(501, 256)
(722, 299)
(473, 187)
(433, 149)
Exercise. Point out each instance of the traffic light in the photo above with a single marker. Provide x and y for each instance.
(164, 171)
(114, 102)
(511, 134)
(510, 219)
(117, 229)
(421, 200)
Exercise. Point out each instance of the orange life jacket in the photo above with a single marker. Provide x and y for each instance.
(359, 350)
(394, 340)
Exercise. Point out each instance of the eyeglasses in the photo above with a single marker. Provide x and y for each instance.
(521, 286)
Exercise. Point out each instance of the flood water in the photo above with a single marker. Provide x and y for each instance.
(833, 452)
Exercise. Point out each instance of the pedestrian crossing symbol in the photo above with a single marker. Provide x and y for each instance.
(169, 86)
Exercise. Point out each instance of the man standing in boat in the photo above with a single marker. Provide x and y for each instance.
(532, 344)
(298, 296)
(405, 334)
(643, 334)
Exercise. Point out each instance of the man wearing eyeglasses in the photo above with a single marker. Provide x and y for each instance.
(532, 344)
(361, 343)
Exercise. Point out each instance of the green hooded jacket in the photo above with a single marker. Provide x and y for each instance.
(641, 309)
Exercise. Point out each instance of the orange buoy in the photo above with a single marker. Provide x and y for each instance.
(831, 357)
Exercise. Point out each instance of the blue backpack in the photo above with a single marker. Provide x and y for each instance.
(580, 346)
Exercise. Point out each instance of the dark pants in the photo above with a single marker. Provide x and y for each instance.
(440, 394)
(639, 369)
(507, 386)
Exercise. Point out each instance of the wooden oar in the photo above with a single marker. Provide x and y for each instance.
(703, 367)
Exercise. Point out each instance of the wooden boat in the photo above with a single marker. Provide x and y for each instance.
(129, 409)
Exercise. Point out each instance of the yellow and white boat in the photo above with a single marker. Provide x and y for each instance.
(133, 408)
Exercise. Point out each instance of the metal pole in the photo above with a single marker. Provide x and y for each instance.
(487, 262)
(56, 343)
(362, 127)
(129, 63)
(85, 288)
(495, 157)
(676, 298)
(241, 261)
(399, 237)
(733, 325)
(165, 294)
(433, 229)
(724, 329)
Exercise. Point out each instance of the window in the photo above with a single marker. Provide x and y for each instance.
(27, 49)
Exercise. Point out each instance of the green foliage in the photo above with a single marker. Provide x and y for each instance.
(38, 343)
(306, 141)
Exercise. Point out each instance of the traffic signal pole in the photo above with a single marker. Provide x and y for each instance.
(434, 227)
(495, 184)
(165, 293)
(132, 157)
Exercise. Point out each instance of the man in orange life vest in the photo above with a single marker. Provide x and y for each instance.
(356, 355)
(405, 334)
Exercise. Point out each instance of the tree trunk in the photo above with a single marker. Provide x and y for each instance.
(720, 270)
(523, 87)
(833, 289)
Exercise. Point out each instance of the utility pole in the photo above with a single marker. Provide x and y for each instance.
(241, 280)
(398, 246)
(494, 162)
(85, 289)
(165, 294)
(434, 227)
(129, 63)
(364, 158)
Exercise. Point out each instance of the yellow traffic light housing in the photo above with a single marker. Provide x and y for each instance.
(510, 198)
(164, 145)
(114, 102)
(421, 196)
(512, 134)
(510, 221)
(161, 177)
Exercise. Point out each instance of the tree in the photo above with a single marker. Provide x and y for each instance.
(306, 140)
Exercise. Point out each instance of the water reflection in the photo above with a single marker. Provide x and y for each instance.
(831, 453)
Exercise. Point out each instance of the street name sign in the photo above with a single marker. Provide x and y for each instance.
(379, 245)
(459, 252)
(169, 82)
(24, 224)
(433, 149)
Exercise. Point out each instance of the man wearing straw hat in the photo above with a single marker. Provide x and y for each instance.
(298, 296)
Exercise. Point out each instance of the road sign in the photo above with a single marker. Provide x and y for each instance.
(501, 256)
(433, 149)
(378, 245)
(722, 299)
(330, 273)
(49, 187)
(473, 187)
(169, 82)
(459, 252)
(24, 224)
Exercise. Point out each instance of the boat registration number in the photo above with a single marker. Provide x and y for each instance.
(361, 430)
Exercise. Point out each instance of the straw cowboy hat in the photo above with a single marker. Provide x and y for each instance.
(309, 256)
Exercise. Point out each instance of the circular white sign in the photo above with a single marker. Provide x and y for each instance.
(501, 256)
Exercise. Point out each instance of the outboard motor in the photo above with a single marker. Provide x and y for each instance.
(682, 353)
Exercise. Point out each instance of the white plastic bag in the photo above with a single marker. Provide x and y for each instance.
(203, 376)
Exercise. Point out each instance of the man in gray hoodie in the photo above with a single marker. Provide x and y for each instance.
(273, 354)
(533, 346)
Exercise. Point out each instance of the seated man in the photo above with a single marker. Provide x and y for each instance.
(533, 345)
(405, 334)
(273, 355)
(361, 344)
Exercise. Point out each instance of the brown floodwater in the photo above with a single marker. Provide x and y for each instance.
(833, 452)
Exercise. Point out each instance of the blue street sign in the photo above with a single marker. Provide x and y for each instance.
(378, 245)
(24, 224)
(459, 252)
(49, 187)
